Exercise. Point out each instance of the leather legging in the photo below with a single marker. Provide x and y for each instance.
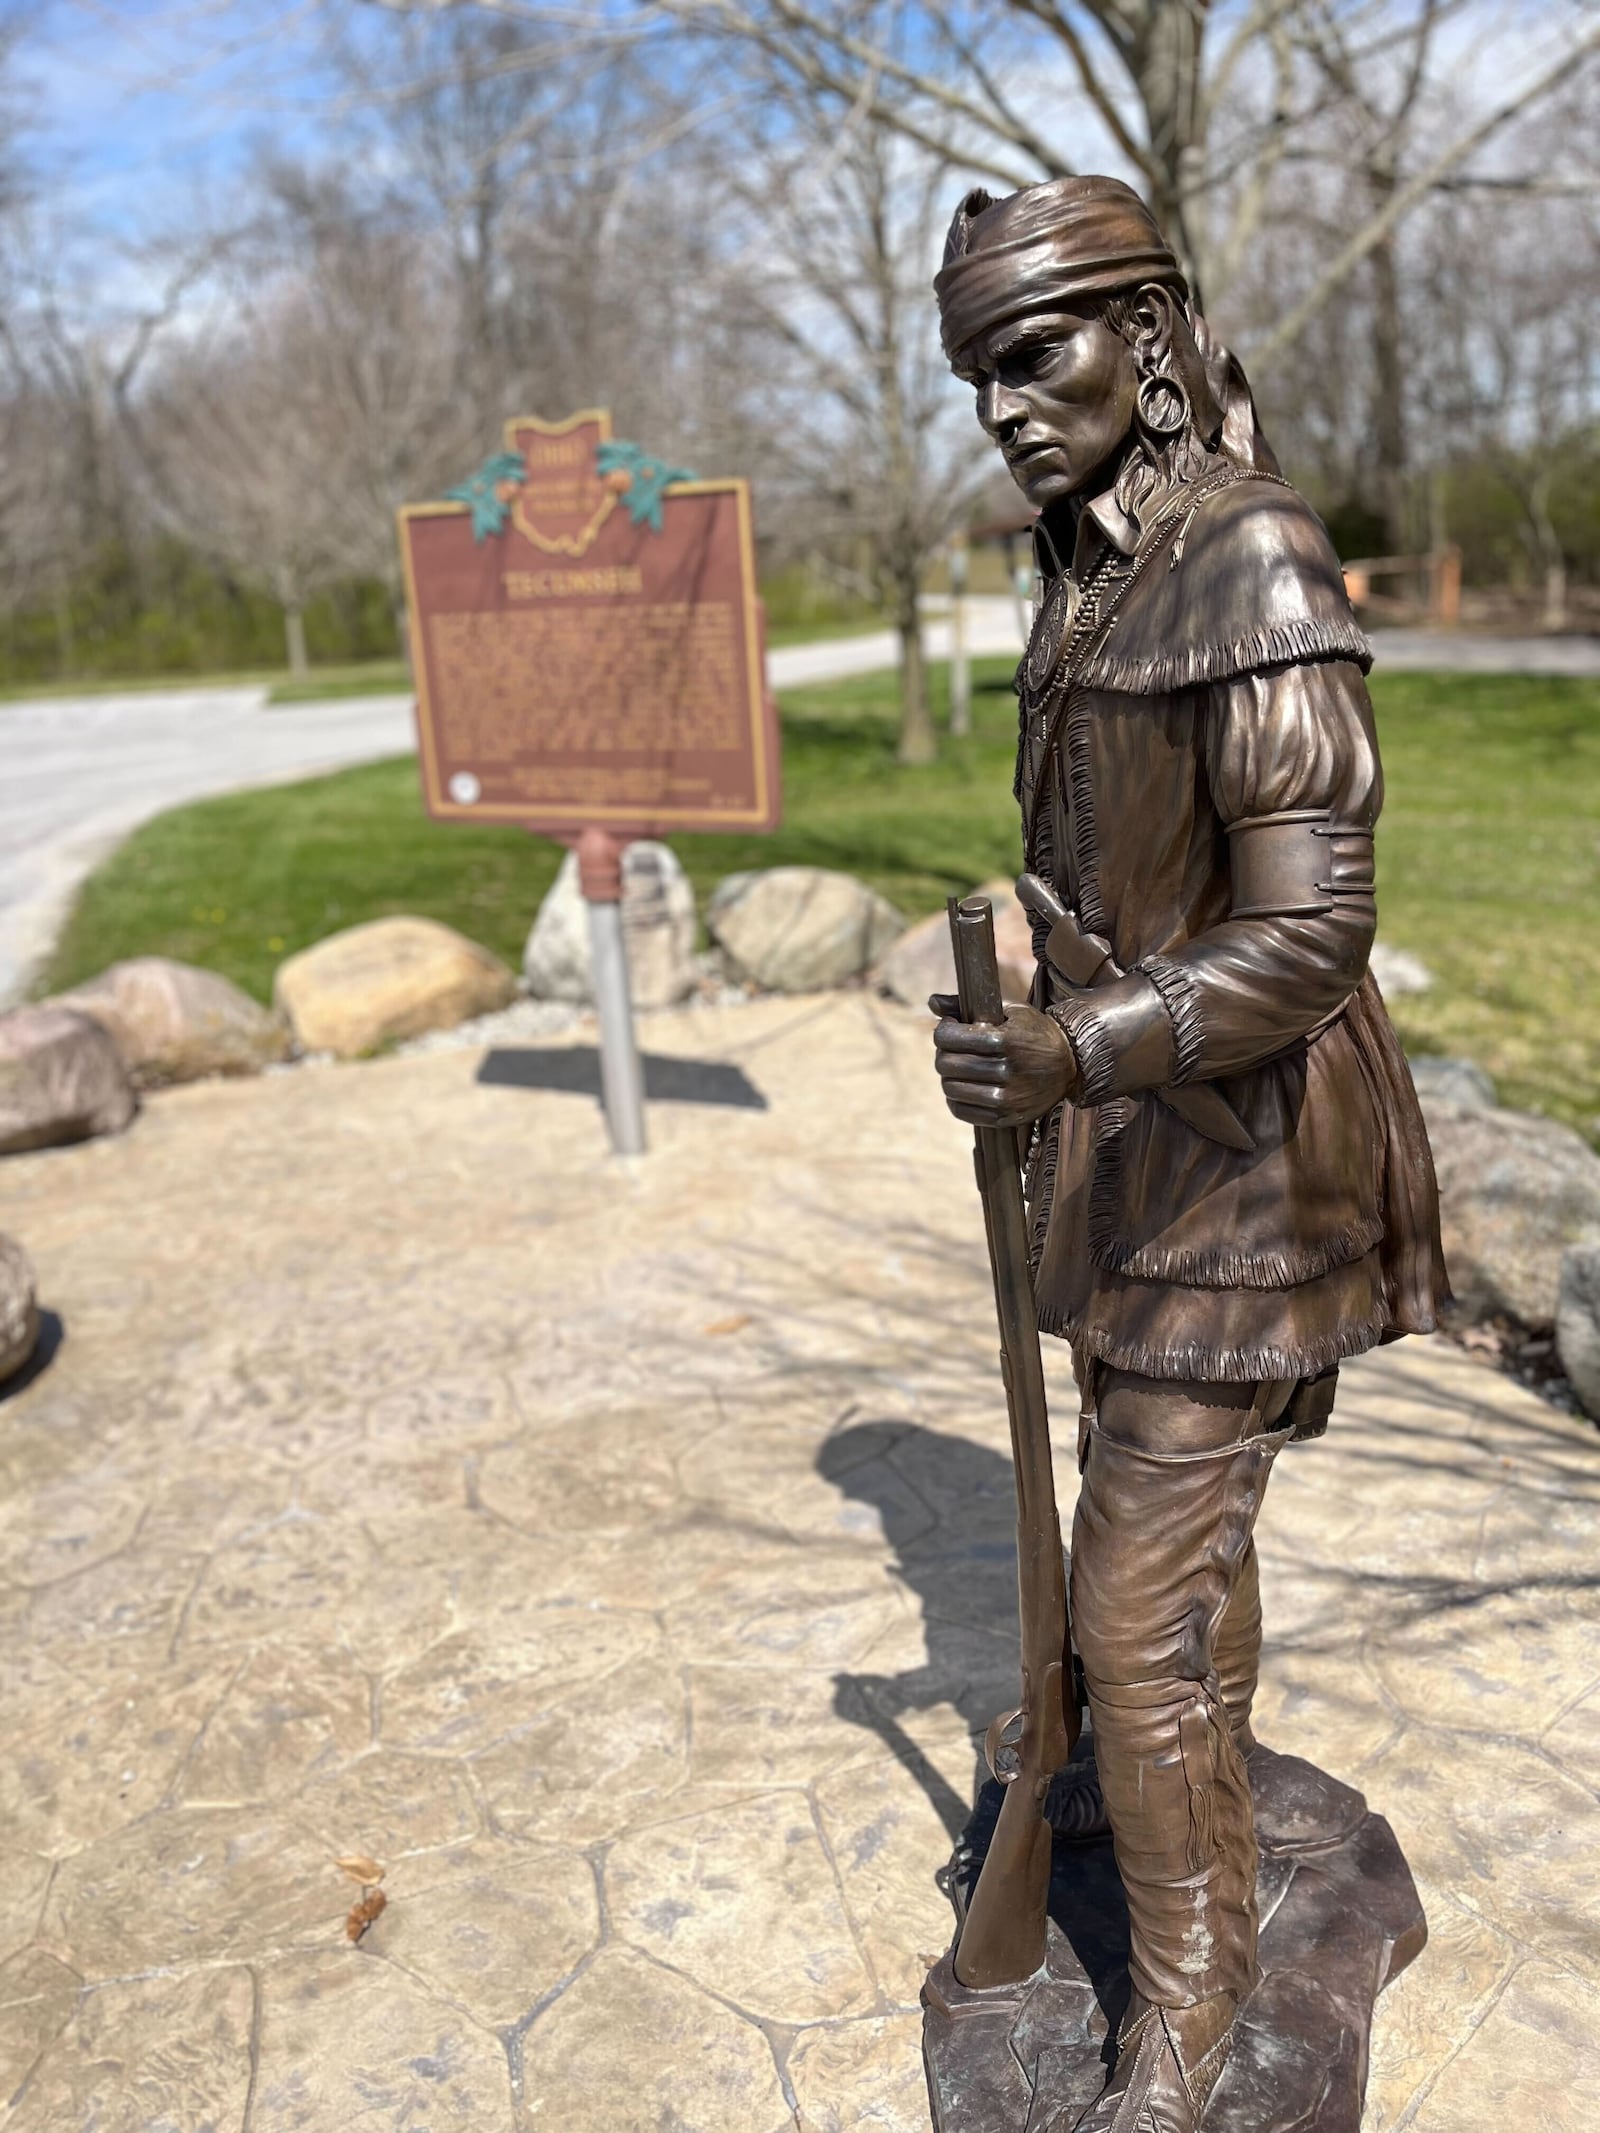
(1167, 1621)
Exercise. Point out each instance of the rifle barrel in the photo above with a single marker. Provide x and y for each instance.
(1003, 1938)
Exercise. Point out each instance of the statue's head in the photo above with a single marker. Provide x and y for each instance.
(1066, 309)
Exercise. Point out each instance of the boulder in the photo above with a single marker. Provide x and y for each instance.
(19, 1308)
(1398, 971)
(658, 926)
(1578, 1323)
(800, 929)
(921, 960)
(391, 978)
(61, 1079)
(1455, 1081)
(1515, 1191)
(176, 1022)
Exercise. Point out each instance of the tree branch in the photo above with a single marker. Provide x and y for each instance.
(1405, 197)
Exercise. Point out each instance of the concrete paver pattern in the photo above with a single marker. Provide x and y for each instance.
(621, 1554)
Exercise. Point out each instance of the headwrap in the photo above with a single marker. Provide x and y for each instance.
(1048, 245)
(1051, 246)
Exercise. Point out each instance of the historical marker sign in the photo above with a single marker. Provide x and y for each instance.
(587, 645)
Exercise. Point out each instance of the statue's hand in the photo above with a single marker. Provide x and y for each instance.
(1001, 1074)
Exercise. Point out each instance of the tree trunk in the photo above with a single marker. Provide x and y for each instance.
(918, 741)
(1555, 592)
(294, 633)
(1547, 546)
(1388, 380)
(66, 643)
(960, 660)
(1163, 55)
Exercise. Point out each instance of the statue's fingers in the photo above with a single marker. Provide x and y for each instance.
(988, 1120)
(977, 1102)
(958, 1067)
(981, 1038)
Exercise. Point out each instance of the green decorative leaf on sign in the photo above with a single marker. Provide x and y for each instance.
(648, 479)
(481, 491)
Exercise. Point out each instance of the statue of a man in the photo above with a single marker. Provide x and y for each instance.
(1229, 1179)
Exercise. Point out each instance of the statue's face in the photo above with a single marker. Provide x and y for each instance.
(1056, 393)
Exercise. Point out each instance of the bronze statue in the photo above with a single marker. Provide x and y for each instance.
(1227, 1176)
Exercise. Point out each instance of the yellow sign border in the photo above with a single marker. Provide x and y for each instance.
(554, 817)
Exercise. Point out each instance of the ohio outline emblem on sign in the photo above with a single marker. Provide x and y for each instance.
(563, 502)
(586, 642)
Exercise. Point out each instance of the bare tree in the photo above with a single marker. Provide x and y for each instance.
(473, 113)
(1475, 346)
(378, 363)
(314, 394)
(1201, 104)
(239, 456)
(876, 456)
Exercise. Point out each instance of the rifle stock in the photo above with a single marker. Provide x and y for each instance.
(1003, 1938)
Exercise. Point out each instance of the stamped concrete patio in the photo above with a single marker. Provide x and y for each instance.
(620, 1555)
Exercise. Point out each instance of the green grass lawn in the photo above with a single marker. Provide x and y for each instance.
(368, 677)
(1489, 858)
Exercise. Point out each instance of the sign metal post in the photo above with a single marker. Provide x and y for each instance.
(621, 1073)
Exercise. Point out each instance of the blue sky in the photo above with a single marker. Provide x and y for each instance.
(140, 112)
(141, 115)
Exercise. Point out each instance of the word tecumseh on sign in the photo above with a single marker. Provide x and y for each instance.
(586, 642)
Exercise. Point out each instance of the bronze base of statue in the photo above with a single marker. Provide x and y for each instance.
(1340, 1918)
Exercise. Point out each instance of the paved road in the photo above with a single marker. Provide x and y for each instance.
(1450, 652)
(81, 772)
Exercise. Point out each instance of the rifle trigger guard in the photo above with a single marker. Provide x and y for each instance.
(1000, 1746)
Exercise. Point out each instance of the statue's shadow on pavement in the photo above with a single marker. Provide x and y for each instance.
(574, 1070)
(961, 1564)
(964, 1573)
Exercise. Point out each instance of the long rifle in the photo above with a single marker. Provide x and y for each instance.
(1003, 1937)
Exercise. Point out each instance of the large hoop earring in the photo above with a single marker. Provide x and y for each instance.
(1162, 406)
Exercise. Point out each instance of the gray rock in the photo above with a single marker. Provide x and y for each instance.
(1456, 1081)
(1578, 1323)
(658, 927)
(1398, 971)
(19, 1308)
(61, 1079)
(800, 929)
(1515, 1191)
(922, 962)
(175, 1022)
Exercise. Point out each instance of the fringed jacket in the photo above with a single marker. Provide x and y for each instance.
(1199, 779)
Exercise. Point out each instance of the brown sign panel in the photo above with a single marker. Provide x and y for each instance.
(579, 667)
